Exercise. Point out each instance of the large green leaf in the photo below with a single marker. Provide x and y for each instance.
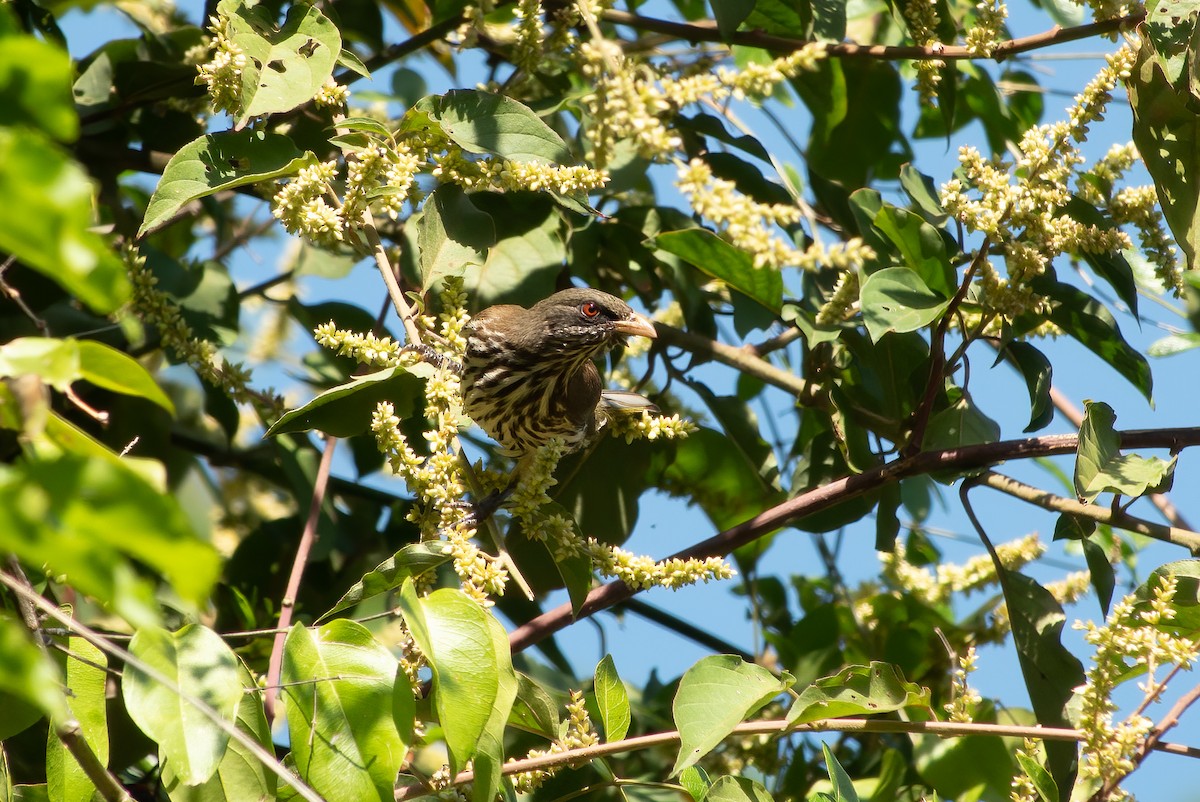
(285, 66)
(1038, 373)
(717, 258)
(486, 123)
(714, 696)
(51, 233)
(857, 691)
(453, 632)
(340, 689)
(612, 699)
(896, 299)
(240, 774)
(84, 666)
(1167, 134)
(87, 518)
(922, 247)
(1101, 468)
(217, 162)
(197, 660)
(737, 789)
(489, 754)
(35, 84)
(451, 233)
(60, 363)
(346, 410)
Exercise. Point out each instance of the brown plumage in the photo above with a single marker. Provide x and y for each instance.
(528, 374)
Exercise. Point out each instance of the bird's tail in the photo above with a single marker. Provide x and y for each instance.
(623, 402)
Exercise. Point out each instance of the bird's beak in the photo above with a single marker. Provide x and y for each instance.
(636, 324)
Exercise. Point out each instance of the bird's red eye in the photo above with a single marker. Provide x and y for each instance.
(589, 309)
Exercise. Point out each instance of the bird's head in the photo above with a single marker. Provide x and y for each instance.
(587, 320)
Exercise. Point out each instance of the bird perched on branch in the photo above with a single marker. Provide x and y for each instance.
(528, 375)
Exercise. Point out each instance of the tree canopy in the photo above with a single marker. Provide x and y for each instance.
(242, 510)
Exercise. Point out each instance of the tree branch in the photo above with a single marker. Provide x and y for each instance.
(850, 487)
(706, 31)
(1104, 515)
(740, 358)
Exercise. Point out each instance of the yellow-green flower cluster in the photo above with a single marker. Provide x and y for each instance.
(537, 477)
(331, 95)
(381, 174)
(625, 103)
(648, 426)
(504, 175)
(156, 309)
(1021, 217)
(1023, 788)
(1129, 638)
(1138, 206)
(527, 50)
(222, 73)
(748, 224)
(922, 19)
(842, 303)
(935, 587)
(1111, 9)
(366, 349)
(303, 206)
(759, 80)
(482, 574)
(580, 734)
(963, 698)
(984, 34)
(643, 573)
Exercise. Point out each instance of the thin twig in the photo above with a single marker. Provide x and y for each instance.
(706, 31)
(735, 357)
(108, 647)
(836, 492)
(1047, 500)
(67, 729)
(945, 729)
(288, 604)
(15, 296)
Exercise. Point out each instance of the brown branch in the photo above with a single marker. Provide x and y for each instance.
(288, 604)
(836, 492)
(741, 358)
(1047, 500)
(945, 729)
(706, 31)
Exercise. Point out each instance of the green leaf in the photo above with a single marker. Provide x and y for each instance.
(528, 253)
(534, 709)
(26, 673)
(715, 257)
(729, 15)
(240, 774)
(1100, 571)
(1101, 468)
(923, 193)
(87, 518)
(922, 247)
(60, 363)
(346, 410)
(612, 699)
(285, 66)
(714, 696)
(1043, 783)
(35, 87)
(728, 490)
(896, 299)
(1051, 672)
(482, 122)
(857, 691)
(51, 234)
(1174, 344)
(203, 668)
(489, 755)
(1167, 134)
(84, 666)
(453, 632)
(843, 788)
(451, 233)
(339, 685)
(410, 562)
(217, 162)
(1038, 373)
(695, 780)
(961, 424)
(737, 789)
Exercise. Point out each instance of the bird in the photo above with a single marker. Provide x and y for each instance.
(528, 375)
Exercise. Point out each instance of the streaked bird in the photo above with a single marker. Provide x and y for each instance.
(528, 375)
